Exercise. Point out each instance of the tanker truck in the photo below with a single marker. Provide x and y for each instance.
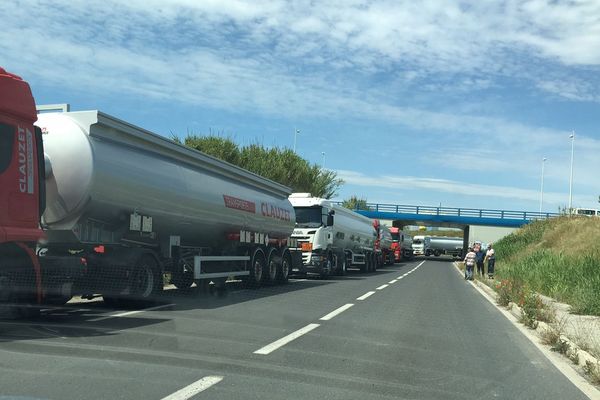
(383, 244)
(438, 246)
(122, 206)
(331, 238)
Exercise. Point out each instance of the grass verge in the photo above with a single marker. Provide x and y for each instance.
(559, 258)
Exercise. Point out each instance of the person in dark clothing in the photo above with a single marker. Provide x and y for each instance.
(480, 257)
(491, 259)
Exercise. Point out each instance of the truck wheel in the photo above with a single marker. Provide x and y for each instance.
(270, 277)
(328, 266)
(365, 267)
(427, 253)
(145, 284)
(183, 276)
(257, 268)
(369, 262)
(374, 262)
(437, 253)
(11, 306)
(283, 272)
(342, 265)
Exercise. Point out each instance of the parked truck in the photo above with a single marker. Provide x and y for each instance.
(407, 242)
(438, 246)
(383, 244)
(397, 245)
(331, 238)
(420, 245)
(121, 206)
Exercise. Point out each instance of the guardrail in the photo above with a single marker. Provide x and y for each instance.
(457, 212)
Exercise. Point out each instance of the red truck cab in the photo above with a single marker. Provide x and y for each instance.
(21, 161)
(396, 243)
(22, 190)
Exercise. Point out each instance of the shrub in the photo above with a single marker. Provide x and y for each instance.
(530, 304)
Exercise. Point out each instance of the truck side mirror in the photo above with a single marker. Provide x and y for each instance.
(330, 220)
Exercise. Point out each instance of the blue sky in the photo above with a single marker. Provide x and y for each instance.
(412, 102)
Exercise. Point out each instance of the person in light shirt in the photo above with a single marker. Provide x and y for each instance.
(470, 264)
(490, 256)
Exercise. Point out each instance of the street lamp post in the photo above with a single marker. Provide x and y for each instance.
(572, 137)
(323, 160)
(542, 187)
(296, 133)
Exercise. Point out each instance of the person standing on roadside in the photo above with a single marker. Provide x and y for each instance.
(470, 264)
(479, 259)
(490, 255)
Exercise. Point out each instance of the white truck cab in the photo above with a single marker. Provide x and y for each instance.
(331, 238)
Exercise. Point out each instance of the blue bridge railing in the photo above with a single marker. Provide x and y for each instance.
(457, 212)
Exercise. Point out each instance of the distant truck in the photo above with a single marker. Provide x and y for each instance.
(587, 212)
(407, 242)
(437, 246)
(397, 243)
(383, 244)
(420, 244)
(331, 238)
(401, 245)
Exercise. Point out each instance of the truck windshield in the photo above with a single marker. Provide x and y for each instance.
(309, 216)
(395, 237)
(7, 136)
(417, 241)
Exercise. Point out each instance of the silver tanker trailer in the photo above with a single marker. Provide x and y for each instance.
(133, 205)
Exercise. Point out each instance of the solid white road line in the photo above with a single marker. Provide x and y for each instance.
(195, 388)
(286, 339)
(336, 312)
(393, 281)
(382, 287)
(128, 313)
(365, 296)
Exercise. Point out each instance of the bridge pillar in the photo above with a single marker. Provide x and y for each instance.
(466, 239)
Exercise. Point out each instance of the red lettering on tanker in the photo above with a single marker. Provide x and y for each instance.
(272, 211)
(239, 204)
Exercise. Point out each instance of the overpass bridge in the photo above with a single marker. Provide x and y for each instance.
(450, 217)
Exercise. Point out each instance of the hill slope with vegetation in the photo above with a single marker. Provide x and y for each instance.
(559, 258)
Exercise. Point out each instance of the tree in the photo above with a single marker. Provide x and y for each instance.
(281, 165)
(355, 203)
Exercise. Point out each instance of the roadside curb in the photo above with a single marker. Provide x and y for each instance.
(579, 357)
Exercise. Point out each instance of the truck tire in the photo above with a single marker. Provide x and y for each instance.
(146, 281)
(183, 276)
(283, 272)
(374, 262)
(328, 266)
(18, 291)
(270, 274)
(364, 268)
(257, 268)
(427, 253)
(11, 306)
(369, 262)
(342, 265)
(437, 253)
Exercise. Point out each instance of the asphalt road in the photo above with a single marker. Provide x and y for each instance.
(428, 335)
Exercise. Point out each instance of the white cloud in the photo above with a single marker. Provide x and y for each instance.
(408, 183)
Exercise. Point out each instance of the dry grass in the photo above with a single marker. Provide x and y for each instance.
(557, 257)
(572, 236)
